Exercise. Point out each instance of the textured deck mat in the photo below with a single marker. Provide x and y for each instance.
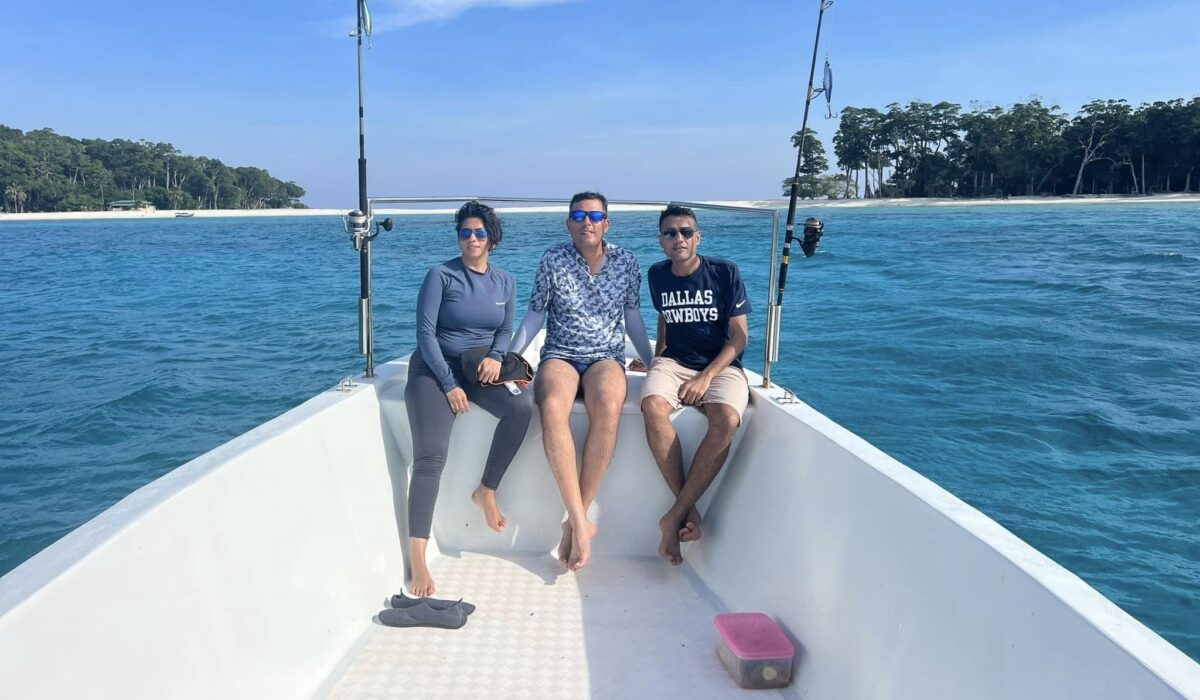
(621, 628)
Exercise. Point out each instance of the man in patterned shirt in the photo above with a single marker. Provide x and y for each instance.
(587, 290)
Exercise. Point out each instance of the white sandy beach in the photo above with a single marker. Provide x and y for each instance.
(763, 203)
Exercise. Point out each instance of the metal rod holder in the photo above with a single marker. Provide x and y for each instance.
(365, 340)
(775, 326)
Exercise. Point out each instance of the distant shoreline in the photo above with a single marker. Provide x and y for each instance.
(762, 203)
(1190, 197)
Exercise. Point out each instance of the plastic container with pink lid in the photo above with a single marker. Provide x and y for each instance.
(754, 650)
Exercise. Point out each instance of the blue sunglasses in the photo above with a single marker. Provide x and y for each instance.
(468, 232)
(596, 216)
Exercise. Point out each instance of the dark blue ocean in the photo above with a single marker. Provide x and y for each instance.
(1042, 363)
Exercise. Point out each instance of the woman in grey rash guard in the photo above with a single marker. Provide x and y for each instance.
(464, 303)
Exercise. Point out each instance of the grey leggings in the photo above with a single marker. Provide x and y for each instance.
(431, 419)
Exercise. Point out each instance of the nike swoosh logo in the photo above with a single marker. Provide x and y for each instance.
(739, 304)
(501, 303)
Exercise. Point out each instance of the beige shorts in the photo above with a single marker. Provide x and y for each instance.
(666, 376)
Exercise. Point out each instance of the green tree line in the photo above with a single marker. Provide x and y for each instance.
(43, 171)
(1030, 148)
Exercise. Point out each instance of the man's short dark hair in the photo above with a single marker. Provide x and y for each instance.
(676, 210)
(583, 196)
(487, 215)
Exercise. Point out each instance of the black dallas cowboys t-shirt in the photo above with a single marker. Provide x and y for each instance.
(697, 309)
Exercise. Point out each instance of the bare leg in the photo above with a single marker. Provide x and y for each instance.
(604, 388)
(723, 422)
(422, 583)
(664, 446)
(485, 498)
(556, 386)
(564, 543)
(663, 441)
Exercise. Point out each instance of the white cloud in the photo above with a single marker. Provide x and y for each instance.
(389, 15)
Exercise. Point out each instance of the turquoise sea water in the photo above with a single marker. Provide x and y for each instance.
(1042, 363)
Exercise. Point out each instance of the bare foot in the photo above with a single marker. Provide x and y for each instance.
(485, 498)
(581, 546)
(691, 527)
(422, 583)
(668, 547)
(564, 545)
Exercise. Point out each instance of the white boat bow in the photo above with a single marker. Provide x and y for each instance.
(255, 570)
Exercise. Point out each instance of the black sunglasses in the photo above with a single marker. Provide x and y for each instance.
(686, 232)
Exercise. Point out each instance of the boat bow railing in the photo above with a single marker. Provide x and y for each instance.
(774, 308)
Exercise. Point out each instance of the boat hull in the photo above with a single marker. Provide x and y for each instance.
(254, 570)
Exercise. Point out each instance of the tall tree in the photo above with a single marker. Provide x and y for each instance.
(1096, 129)
(812, 166)
(980, 148)
(853, 144)
(1032, 146)
(1190, 139)
(14, 198)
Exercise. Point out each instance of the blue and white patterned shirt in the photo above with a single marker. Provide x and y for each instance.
(585, 313)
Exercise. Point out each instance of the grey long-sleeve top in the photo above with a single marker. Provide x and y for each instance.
(459, 309)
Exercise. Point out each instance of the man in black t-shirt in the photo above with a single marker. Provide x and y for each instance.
(702, 331)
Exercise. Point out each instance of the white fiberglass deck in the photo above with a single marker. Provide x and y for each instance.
(622, 627)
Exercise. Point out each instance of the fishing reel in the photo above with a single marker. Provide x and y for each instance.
(813, 228)
(358, 225)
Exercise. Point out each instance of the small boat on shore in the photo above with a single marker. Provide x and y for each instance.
(184, 214)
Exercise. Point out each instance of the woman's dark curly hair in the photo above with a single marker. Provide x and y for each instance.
(487, 215)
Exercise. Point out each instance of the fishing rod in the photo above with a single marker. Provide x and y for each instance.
(358, 222)
(813, 227)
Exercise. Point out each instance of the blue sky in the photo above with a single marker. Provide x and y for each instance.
(662, 99)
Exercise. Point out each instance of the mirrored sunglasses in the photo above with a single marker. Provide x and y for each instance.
(596, 216)
(466, 233)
